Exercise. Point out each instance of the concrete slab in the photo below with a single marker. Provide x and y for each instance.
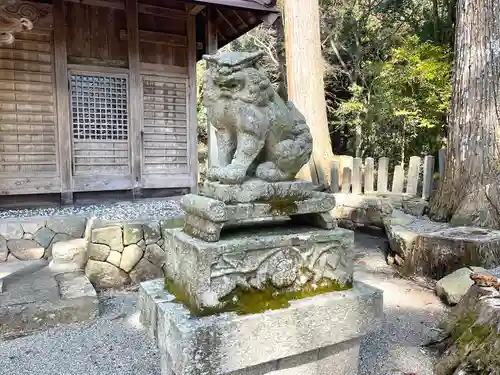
(14, 270)
(42, 300)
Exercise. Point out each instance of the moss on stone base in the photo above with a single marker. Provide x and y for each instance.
(244, 301)
(283, 206)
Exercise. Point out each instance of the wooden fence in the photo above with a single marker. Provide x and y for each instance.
(360, 177)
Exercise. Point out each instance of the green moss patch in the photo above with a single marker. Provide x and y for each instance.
(283, 206)
(244, 301)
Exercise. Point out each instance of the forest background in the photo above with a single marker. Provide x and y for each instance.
(388, 74)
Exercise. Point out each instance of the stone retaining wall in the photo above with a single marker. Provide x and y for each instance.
(123, 253)
(33, 238)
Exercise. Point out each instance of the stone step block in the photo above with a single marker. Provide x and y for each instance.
(43, 300)
(319, 335)
(69, 256)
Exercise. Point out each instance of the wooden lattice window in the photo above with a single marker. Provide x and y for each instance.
(99, 107)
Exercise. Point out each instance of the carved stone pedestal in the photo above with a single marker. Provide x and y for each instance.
(245, 295)
(314, 336)
(221, 206)
(209, 276)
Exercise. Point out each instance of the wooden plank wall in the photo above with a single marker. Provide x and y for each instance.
(164, 66)
(155, 55)
(28, 134)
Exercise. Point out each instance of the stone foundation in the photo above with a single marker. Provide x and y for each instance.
(33, 238)
(318, 335)
(122, 253)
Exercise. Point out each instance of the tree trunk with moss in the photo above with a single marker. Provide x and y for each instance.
(469, 194)
(306, 89)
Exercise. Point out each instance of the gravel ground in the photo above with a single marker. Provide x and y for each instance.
(117, 344)
(151, 209)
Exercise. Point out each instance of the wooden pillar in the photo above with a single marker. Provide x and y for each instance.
(211, 48)
(135, 92)
(192, 111)
(64, 140)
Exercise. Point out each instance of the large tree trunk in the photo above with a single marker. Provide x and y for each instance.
(305, 68)
(469, 192)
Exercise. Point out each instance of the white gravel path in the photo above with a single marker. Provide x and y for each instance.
(151, 209)
(116, 344)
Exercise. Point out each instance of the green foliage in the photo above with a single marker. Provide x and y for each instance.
(403, 110)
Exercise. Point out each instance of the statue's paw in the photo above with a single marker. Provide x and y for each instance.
(213, 174)
(232, 174)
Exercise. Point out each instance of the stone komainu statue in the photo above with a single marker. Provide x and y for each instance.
(258, 134)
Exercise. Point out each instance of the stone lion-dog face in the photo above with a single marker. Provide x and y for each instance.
(258, 134)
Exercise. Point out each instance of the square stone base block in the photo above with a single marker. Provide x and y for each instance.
(314, 336)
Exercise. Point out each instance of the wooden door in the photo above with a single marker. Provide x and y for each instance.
(164, 132)
(100, 128)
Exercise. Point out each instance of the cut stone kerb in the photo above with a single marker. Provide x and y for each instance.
(287, 258)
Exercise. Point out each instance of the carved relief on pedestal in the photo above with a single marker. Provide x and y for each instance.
(16, 18)
(287, 267)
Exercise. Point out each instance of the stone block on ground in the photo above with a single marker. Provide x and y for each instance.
(105, 275)
(57, 238)
(98, 251)
(454, 286)
(71, 225)
(11, 230)
(414, 206)
(44, 236)
(111, 236)
(152, 232)
(69, 256)
(42, 300)
(403, 230)
(145, 270)
(284, 256)
(114, 258)
(299, 339)
(155, 254)
(435, 249)
(439, 253)
(13, 270)
(32, 225)
(25, 249)
(131, 255)
(132, 234)
(353, 210)
(473, 342)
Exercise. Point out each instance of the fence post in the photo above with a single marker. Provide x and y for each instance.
(428, 172)
(368, 174)
(346, 180)
(335, 176)
(382, 172)
(398, 180)
(356, 175)
(413, 175)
